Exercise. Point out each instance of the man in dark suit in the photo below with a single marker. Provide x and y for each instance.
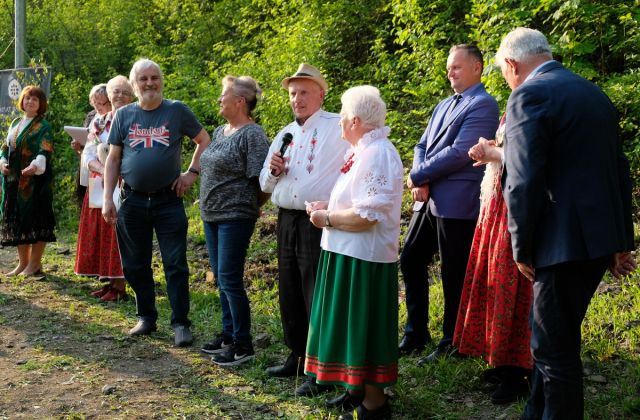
(446, 187)
(568, 195)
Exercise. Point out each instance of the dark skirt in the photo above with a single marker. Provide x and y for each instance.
(30, 221)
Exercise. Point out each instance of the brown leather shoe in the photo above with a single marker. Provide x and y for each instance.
(102, 291)
(114, 295)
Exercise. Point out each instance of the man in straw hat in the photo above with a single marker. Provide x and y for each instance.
(304, 172)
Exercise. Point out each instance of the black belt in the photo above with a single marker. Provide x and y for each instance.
(294, 212)
(161, 191)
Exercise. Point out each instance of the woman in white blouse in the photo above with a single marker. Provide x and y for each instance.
(353, 338)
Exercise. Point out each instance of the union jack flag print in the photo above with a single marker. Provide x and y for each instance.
(148, 136)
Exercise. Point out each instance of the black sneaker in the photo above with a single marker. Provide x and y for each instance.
(218, 345)
(234, 355)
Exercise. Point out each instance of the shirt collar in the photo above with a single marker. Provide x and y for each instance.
(469, 91)
(311, 119)
(536, 71)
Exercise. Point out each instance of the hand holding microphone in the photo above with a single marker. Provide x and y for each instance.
(277, 159)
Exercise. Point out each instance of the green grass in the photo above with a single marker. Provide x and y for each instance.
(448, 389)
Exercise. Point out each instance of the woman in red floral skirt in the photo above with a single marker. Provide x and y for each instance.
(97, 249)
(496, 298)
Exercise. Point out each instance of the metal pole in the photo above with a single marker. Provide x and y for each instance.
(20, 33)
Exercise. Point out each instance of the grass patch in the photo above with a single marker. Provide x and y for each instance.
(194, 388)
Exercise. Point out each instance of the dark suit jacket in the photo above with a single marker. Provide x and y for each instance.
(567, 184)
(441, 159)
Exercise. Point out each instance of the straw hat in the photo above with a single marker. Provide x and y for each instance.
(307, 71)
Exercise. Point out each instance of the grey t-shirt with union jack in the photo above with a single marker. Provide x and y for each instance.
(151, 142)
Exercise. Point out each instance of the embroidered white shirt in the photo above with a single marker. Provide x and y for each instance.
(313, 162)
(373, 188)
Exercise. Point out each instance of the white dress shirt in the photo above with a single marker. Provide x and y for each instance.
(373, 188)
(312, 162)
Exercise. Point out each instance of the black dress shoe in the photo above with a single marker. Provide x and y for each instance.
(143, 328)
(510, 390)
(408, 345)
(361, 413)
(293, 366)
(493, 376)
(310, 388)
(345, 401)
(440, 352)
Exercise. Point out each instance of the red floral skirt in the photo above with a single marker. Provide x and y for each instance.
(97, 252)
(493, 317)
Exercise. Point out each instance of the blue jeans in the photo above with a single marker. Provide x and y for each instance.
(138, 217)
(227, 243)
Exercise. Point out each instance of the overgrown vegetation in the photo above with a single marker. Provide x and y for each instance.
(399, 46)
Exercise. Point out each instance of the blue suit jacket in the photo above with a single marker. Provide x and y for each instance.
(567, 184)
(441, 159)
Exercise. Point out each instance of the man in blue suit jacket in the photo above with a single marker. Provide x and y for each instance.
(568, 195)
(446, 188)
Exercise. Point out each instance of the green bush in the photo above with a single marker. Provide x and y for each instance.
(400, 46)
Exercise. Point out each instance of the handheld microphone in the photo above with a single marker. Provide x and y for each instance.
(286, 140)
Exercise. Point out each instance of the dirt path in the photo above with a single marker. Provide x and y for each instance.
(59, 359)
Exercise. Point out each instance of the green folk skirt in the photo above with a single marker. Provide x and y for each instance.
(353, 331)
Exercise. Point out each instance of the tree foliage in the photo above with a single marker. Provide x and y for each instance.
(400, 46)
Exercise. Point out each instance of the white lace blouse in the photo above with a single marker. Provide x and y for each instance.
(373, 188)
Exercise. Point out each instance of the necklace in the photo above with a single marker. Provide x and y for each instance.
(348, 164)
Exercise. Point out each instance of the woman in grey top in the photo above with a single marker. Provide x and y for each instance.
(230, 200)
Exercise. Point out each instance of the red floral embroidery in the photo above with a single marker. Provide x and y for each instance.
(347, 165)
(311, 156)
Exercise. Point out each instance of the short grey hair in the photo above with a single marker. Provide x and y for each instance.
(246, 87)
(98, 90)
(521, 44)
(139, 66)
(117, 81)
(365, 103)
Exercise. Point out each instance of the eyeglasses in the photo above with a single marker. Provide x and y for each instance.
(102, 103)
(121, 92)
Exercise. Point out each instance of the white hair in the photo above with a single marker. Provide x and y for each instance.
(119, 80)
(522, 44)
(139, 66)
(98, 90)
(365, 103)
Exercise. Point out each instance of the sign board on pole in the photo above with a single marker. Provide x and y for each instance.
(12, 81)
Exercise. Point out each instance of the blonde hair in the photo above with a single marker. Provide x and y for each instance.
(246, 87)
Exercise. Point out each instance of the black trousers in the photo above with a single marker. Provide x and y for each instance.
(561, 295)
(427, 235)
(298, 256)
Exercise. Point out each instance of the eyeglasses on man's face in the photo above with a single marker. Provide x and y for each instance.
(121, 92)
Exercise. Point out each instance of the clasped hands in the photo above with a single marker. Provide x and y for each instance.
(485, 151)
(420, 193)
(317, 211)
